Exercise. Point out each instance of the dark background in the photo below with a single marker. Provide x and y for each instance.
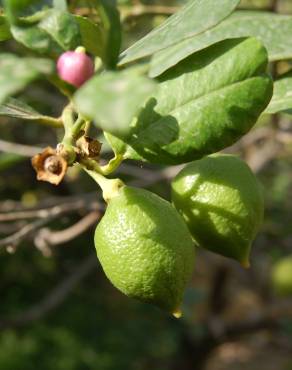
(59, 312)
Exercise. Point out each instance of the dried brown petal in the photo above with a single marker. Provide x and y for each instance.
(49, 166)
(89, 147)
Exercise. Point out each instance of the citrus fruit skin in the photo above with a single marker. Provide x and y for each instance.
(145, 248)
(222, 204)
(282, 276)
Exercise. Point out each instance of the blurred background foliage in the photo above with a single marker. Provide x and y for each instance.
(59, 312)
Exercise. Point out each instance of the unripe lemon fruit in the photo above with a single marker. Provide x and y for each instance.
(222, 204)
(282, 276)
(145, 248)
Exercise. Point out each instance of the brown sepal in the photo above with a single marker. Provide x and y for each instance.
(89, 147)
(49, 166)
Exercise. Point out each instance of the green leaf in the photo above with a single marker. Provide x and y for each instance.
(112, 33)
(197, 16)
(63, 28)
(282, 97)
(273, 30)
(16, 73)
(5, 33)
(17, 109)
(204, 104)
(113, 99)
(36, 39)
(92, 36)
(16, 9)
(48, 32)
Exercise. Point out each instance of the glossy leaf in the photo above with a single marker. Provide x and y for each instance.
(113, 99)
(16, 9)
(195, 17)
(273, 30)
(111, 26)
(16, 73)
(63, 29)
(5, 33)
(282, 97)
(204, 104)
(36, 39)
(55, 32)
(92, 36)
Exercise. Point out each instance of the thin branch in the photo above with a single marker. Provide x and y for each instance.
(12, 241)
(76, 203)
(87, 201)
(24, 150)
(47, 237)
(10, 205)
(9, 228)
(55, 298)
(268, 319)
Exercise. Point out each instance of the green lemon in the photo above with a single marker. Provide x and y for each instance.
(282, 276)
(222, 204)
(145, 248)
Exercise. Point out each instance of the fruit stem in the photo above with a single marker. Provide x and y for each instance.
(65, 148)
(105, 170)
(50, 121)
(110, 187)
(72, 129)
(68, 119)
(77, 127)
(112, 165)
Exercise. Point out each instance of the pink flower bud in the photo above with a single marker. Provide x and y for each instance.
(75, 67)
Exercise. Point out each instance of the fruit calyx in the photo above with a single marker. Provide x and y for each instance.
(49, 166)
(110, 187)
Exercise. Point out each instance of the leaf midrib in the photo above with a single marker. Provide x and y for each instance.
(201, 97)
(33, 114)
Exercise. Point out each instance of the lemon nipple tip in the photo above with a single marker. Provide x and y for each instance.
(177, 313)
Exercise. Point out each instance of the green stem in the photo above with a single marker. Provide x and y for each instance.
(67, 149)
(87, 127)
(105, 170)
(112, 165)
(50, 121)
(110, 187)
(72, 130)
(78, 126)
(68, 122)
(91, 165)
(72, 127)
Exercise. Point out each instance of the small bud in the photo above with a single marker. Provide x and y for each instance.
(75, 67)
